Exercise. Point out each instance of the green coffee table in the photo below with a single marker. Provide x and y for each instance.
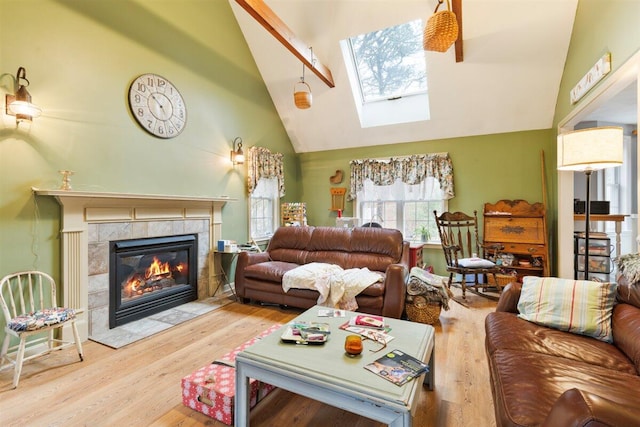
(326, 374)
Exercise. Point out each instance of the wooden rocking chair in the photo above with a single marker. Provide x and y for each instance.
(459, 237)
(28, 302)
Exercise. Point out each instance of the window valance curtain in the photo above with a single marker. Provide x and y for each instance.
(263, 163)
(410, 170)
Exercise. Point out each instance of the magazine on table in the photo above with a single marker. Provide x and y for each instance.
(381, 336)
(397, 367)
(368, 320)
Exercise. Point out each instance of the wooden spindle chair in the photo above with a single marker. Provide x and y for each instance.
(28, 301)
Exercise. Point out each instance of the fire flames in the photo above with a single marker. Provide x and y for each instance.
(157, 276)
(158, 269)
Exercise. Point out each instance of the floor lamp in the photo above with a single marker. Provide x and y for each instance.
(587, 150)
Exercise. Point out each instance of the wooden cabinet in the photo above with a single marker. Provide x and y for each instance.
(293, 214)
(415, 255)
(521, 228)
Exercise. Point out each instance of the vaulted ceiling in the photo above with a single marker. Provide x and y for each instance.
(514, 55)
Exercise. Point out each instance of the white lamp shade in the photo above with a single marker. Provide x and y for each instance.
(590, 149)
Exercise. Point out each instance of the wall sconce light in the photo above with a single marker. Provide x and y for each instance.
(20, 105)
(237, 155)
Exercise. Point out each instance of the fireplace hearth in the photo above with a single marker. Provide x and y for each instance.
(150, 275)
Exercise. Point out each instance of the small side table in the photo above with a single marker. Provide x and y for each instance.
(415, 255)
(618, 219)
(219, 266)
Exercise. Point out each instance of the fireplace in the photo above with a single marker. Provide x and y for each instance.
(149, 275)
(91, 220)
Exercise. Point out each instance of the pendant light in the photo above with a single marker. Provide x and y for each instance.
(302, 96)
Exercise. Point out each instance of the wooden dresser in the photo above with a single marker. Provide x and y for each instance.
(521, 228)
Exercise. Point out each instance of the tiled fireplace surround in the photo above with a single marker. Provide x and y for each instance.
(91, 220)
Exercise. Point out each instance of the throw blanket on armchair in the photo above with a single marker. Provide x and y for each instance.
(337, 287)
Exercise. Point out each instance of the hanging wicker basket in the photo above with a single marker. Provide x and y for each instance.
(302, 95)
(422, 311)
(441, 30)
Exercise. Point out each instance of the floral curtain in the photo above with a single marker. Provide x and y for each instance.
(410, 170)
(265, 164)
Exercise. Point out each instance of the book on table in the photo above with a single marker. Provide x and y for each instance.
(397, 367)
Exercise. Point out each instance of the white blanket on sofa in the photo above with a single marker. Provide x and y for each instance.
(337, 287)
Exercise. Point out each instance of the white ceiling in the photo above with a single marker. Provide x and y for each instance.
(514, 55)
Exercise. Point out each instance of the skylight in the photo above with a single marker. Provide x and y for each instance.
(387, 72)
(390, 62)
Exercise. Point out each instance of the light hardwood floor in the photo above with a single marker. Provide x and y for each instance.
(139, 385)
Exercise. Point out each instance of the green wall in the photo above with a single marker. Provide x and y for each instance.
(486, 169)
(601, 26)
(80, 57)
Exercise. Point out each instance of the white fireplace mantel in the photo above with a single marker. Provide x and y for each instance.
(108, 195)
(81, 208)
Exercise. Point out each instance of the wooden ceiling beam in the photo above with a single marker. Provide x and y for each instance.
(273, 24)
(456, 7)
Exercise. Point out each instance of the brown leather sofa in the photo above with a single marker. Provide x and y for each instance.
(258, 276)
(546, 377)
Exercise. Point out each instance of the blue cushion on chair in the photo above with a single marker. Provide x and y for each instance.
(41, 318)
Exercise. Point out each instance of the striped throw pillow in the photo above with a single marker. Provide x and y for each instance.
(579, 306)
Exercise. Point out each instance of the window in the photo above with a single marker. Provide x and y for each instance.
(266, 186)
(263, 211)
(402, 193)
(387, 74)
(402, 206)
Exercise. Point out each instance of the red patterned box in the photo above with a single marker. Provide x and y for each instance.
(212, 388)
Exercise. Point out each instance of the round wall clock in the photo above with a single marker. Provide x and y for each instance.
(157, 106)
